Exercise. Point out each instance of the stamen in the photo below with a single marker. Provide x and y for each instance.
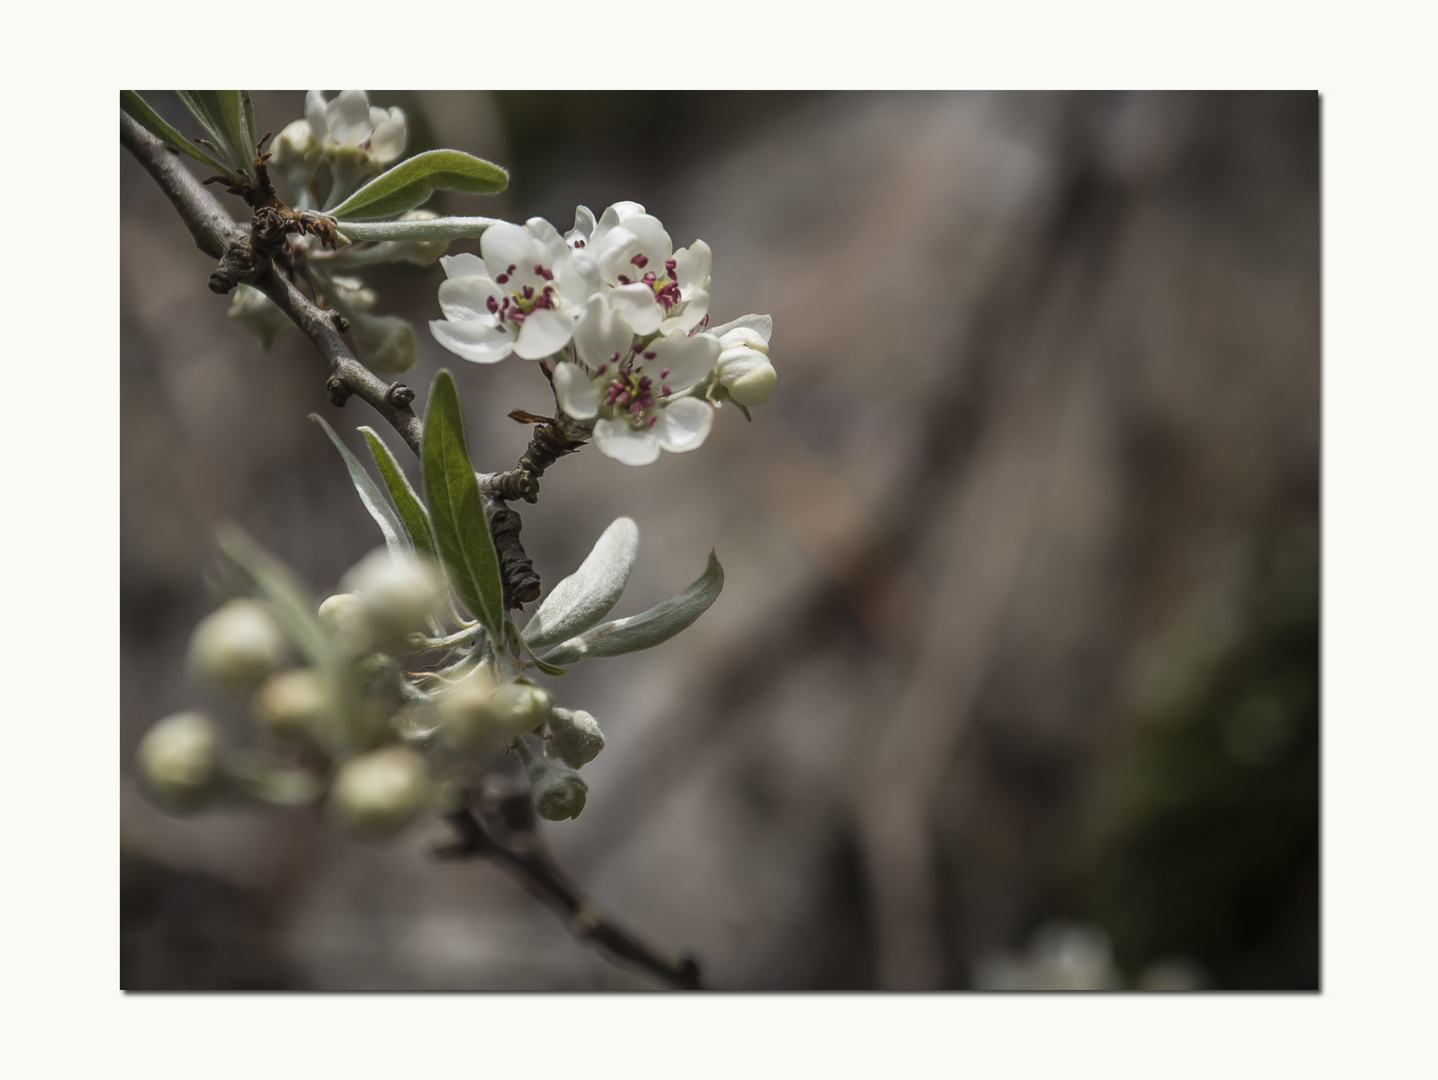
(602, 369)
(649, 356)
(641, 260)
(664, 389)
(654, 420)
(547, 275)
(672, 266)
(502, 279)
(624, 280)
(664, 374)
(492, 305)
(528, 292)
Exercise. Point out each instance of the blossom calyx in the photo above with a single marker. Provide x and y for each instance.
(236, 647)
(179, 761)
(376, 795)
(559, 793)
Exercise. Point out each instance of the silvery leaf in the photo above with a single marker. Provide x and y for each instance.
(588, 594)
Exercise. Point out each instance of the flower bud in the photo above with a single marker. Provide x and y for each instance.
(519, 707)
(744, 367)
(347, 616)
(559, 793)
(297, 146)
(400, 593)
(383, 343)
(296, 704)
(753, 386)
(574, 737)
(179, 760)
(377, 794)
(236, 647)
(465, 722)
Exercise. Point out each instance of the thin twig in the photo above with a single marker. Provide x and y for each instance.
(504, 832)
(511, 839)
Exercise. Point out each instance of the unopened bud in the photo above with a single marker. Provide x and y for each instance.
(235, 648)
(559, 793)
(465, 722)
(377, 794)
(753, 385)
(574, 737)
(347, 616)
(400, 593)
(179, 760)
(297, 704)
(519, 707)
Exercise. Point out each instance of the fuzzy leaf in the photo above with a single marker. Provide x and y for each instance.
(588, 594)
(395, 537)
(411, 510)
(140, 111)
(440, 228)
(411, 182)
(456, 512)
(644, 631)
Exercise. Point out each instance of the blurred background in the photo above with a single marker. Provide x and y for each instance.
(1014, 680)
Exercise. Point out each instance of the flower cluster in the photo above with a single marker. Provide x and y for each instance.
(356, 139)
(623, 315)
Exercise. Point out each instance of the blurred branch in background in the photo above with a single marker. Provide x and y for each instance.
(1015, 681)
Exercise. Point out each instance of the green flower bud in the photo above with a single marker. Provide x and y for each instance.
(179, 760)
(400, 594)
(574, 737)
(519, 707)
(235, 648)
(559, 793)
(465, 722)
(347, 616)
(297, 704)
(377, 794)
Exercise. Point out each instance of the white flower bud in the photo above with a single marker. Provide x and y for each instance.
(400, 593)
(347, 616)
(388, 138)
(559, 793)
(574, 737)
(465, 722)
(297, 145)
(297, 704)
(519, 707)
(179, 760)
(235, 648)
(377, 794)
(744, 367)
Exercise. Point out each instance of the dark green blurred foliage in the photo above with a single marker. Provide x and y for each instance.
(1205, 840)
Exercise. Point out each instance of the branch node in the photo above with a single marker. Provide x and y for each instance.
(399, 395)
(339, 391)
(341, 323)
(237, 264)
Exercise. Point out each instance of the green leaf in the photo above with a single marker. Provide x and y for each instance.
(247, 123)
(653, 627)
(440, 228)
(295, 609)
(456, 510)
(140, 111)
(411, 510)
(588, 594)
(411, 182)
(395, 537)
(221, 114)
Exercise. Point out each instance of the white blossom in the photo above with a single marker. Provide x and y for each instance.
(521, 294)
(744, 367)
(349, 123)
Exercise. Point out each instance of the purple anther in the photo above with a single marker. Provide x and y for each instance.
(649, 356)
(492, 304)
(653, 420)
(664, 389)
(623, 280)
(528, 292)
(641, 260)
(501, 279)
(602, 369)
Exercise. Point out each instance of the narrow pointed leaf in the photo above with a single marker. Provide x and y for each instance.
(219, 113)
(440, 228)
(395, 537)
(456, 512)
(588, 594)
(411, 510)
(247, 123)
(143, 114)
(653, 627)
(411, 182)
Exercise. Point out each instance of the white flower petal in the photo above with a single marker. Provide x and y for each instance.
(463, 265)
(544, 333)
(636, 305)
(387, 142)
(688, 359)
(600, 333)
(737, 360)
(762, 325)
(578, 278)
(476, 341)
(504, 245)
(623, 443)
(611, 217)
(654, 242)
(754, 385)
(613, 253)
(683, 425)
(548, 240)
(348, 118)
(315, 114)
(692, 267)
(583, 225)
(465, 298)
(578, 395)
(689, 316)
